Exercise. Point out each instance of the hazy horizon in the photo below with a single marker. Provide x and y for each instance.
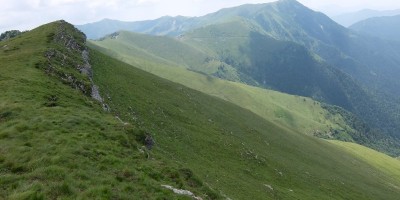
(25, 15)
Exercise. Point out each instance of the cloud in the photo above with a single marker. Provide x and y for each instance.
(148, 1)
(351, 6)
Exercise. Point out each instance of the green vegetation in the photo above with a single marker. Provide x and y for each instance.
(362, 134)
(56, 142)
(303, 53)
(331, 64)
(386, 164)
(298, 113)
(234, 151)
(169, 51)
(275, 68)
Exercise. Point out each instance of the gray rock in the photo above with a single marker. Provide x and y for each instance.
(96, 94)
(182, 192)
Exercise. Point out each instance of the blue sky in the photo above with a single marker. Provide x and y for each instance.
(27, 14)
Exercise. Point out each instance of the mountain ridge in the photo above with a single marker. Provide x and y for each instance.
(382, 27)
(351, 18)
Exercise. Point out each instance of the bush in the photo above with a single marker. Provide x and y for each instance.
(5, 115)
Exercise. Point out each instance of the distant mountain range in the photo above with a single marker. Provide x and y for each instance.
(349, 19)
(383, 27)
(164, 25)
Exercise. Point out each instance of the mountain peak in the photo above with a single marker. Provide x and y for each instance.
(291, 2)
(287, 1)
(108, 20)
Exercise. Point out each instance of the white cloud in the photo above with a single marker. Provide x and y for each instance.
(341, 6)
(148, 1)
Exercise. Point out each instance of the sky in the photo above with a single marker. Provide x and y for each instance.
(28, 14)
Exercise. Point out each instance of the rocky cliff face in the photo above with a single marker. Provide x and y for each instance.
(68, 59)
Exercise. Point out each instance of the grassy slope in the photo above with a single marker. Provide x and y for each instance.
(231, 42)
(167, 48)
(169, 51)
(387, 164)
(233, 150)
(298, 113)
(75, 150)
(72, 149)
(373, 63)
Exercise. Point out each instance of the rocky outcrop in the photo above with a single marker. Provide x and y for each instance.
(86, 69)
(68, 59)
(182, 192)
(9, 34)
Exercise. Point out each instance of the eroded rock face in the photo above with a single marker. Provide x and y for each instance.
(86, 69)
(96, 93)
(68, 59)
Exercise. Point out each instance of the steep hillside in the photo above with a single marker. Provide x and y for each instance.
(301, 114)
(259, 60)
(171, 51)
(235, 151)
(383, 27)
(372, 62)
(239, 54)
(354, 54)
(58, 143)
(291, 68)
(364, 70)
